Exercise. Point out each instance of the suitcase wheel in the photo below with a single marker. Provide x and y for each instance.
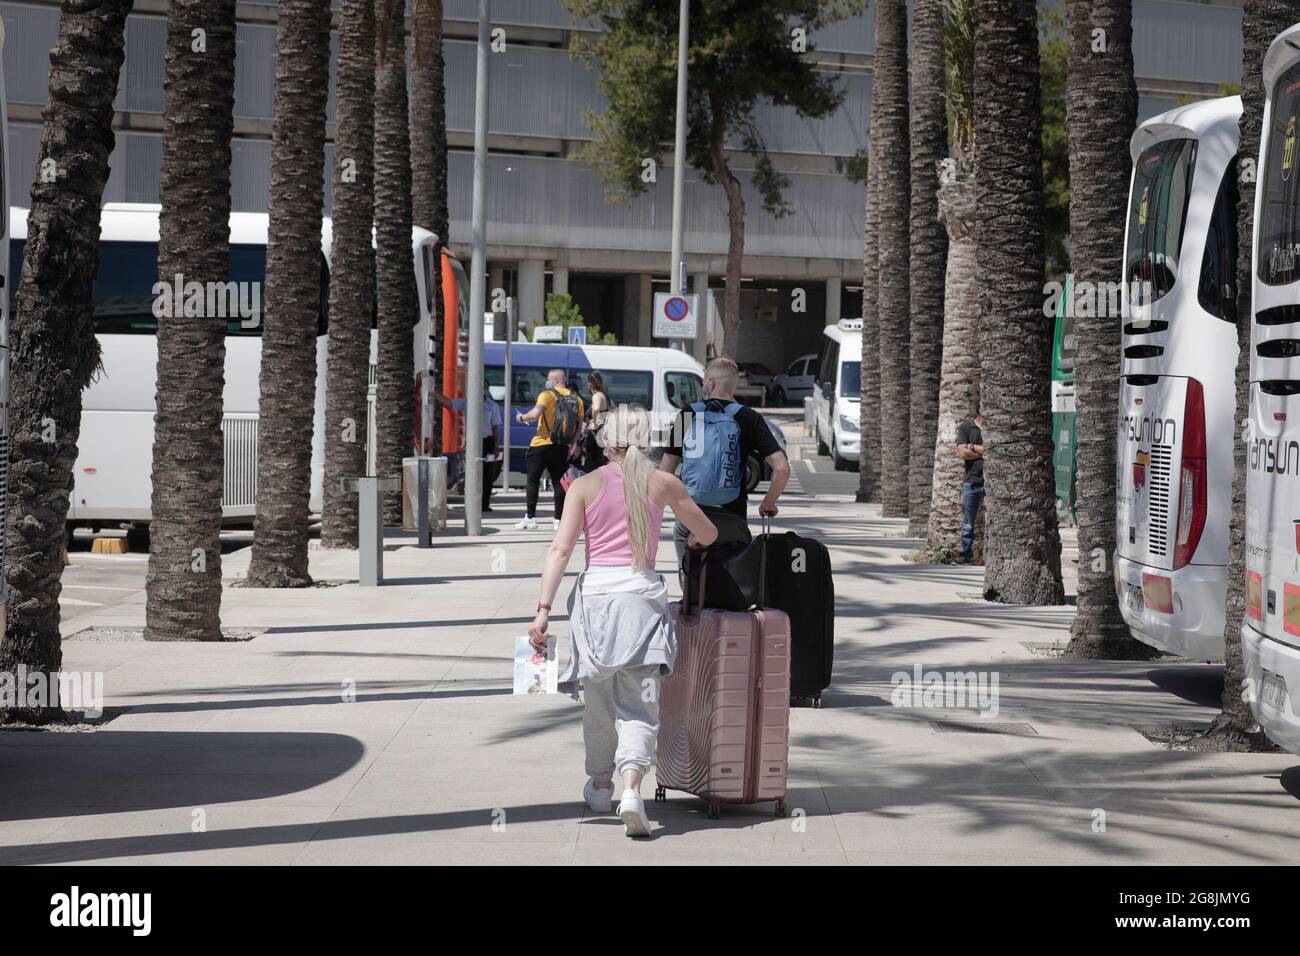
(715, 809)
(660, 794)
(817, 701)
(780, 807)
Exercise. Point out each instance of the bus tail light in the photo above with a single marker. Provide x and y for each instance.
(1192, 484)
(1254, 595)
(1291, 608)
(1158, 593)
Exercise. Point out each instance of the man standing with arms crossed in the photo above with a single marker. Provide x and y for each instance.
(970, 449)
(755, 440)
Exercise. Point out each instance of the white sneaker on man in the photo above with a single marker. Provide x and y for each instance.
(555, 524)
(527, 524)
(632, 811)
(597, 800)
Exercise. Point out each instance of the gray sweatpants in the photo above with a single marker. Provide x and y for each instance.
(620, 721)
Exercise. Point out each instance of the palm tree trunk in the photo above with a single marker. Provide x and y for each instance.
(959, 377)
(293, 285)
(1022, 555)
(352, 264)
(183, 599)
(869, 392)
(1101, 113)
(395, 411)
(52, 342)
(929, 254)
(894, 195)
(429, 166)
(1261, 21)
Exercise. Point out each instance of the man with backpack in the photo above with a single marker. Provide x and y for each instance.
(558, 413)
(712, 441)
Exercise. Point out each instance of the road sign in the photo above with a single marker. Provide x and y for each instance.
(577, 335)
(675, 315)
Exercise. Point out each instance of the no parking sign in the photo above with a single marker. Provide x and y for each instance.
(675, 315)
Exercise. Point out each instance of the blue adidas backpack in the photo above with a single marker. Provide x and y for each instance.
(712, 469)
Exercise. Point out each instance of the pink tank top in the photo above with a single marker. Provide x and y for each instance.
(605, 526)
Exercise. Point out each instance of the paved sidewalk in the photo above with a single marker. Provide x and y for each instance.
(250, 753)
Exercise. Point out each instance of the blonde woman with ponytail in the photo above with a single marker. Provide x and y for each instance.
(622, 639)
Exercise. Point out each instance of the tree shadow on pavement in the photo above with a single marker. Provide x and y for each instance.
(49, 774)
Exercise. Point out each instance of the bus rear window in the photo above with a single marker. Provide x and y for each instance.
(1162, 186)
(1279, 245)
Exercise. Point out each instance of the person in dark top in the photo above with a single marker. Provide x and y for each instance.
(970, 449)
(756, 440)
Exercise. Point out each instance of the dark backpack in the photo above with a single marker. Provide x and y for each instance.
(565, 420)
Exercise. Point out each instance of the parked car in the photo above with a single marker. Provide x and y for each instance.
(795, 383)
(759, 374)
(756, 470)
(749, 392)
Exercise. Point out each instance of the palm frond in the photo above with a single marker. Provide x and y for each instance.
(959, 73)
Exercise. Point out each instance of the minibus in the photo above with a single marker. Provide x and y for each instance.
(662, 381)
(1178, 360)
(112, 484)
(836, 387)
(1270, 636)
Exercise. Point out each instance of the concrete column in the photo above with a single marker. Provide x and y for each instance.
(699, 347)
(532, 292)
(833, 301)
(560, 280)
(645, 304)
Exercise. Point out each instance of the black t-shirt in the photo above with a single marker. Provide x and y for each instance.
(968, 433)
(756, 440)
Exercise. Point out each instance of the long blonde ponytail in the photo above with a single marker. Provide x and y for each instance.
(626, 429)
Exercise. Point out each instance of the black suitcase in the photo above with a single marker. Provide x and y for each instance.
(798, 582)
(787, 572)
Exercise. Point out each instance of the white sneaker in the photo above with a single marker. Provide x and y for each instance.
(597, 800)
(632, 810)
(527, 524)
(555, 524)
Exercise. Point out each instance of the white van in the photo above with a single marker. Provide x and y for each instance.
(836, 389)
(662, 381)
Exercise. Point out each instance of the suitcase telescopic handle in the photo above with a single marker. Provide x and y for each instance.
(694, 554)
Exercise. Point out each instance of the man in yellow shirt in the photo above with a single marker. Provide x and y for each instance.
(558, 413)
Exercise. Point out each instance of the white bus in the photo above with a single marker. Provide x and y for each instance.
(1174, 452)
(1271, 632)
(8, 278)
(112, 484)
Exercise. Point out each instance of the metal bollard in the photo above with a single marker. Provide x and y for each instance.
(370, 523)
(422, 504)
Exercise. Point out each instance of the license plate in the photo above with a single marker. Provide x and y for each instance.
(1135, 600)
(1273, 692)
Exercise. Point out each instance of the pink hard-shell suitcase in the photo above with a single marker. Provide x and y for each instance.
(724, 713)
